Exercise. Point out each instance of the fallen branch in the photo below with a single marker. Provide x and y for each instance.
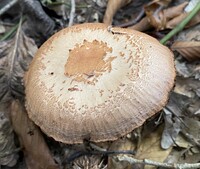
(7, 7)
(132, 160)
(72, 12)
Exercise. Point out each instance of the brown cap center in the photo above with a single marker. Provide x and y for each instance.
(88, 60)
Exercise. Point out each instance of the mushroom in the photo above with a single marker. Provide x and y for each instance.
(95, 82)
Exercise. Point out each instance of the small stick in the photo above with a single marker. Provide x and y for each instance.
(78, 154)
(191, 138)
(134, 21)
(72, 12)
(8, 6)
(180, 26)
(132, 160)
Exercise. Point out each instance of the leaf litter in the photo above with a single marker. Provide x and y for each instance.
(15, 56)
(172, 137)
(36, 152)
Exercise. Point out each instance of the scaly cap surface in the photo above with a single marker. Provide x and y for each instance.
(91, 81)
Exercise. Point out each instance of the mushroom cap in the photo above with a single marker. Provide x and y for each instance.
(95, 82)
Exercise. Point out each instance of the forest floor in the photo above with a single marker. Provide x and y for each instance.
(170, 139)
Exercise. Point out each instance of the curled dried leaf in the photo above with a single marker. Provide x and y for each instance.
(143, 25)
(112, 7)
(175, 21)
(36, 152)
(188, 49)
(159, 17)
(15, 56)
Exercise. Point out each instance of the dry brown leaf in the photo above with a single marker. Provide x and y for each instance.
(15, 56)
(143, 25)
(188, 49)
(150, 148)
(36, 152)
(172, 22)
(175, 21)
(159, 17)
(153, 11)
(196, 19)
(112, 7)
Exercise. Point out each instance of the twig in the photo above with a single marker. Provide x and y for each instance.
(191, 138)
(72, 12)
(78, 154)
(134, 21)
(180, 26)
(8, 6)
(132, 160)
(6, 23)
(68, 5)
